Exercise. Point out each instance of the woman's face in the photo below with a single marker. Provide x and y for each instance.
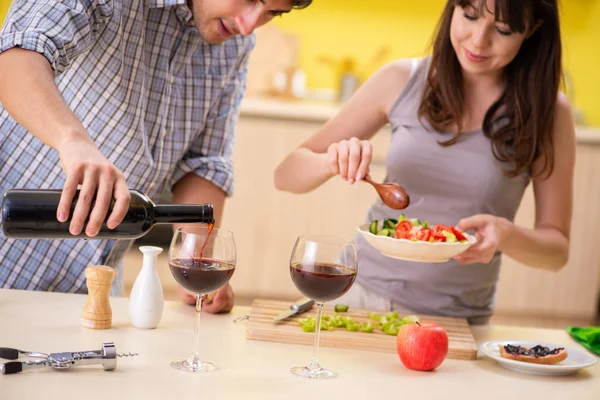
(483, 45)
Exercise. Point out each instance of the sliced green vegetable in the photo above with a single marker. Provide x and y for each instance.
(450, 237)
(375, 317)
(352, 327)
(402, 218)
(341, 308)
(415, 221)
(373, 227)
(390, 223)
(425, 224)
(391, 330)
(308, 324)
(389, 323)
(337, 321)
(326, 326)
(367, 326)
(384, 232)
(409, 319)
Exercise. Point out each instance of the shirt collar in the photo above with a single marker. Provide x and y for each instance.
(165, 3)
(184, 14)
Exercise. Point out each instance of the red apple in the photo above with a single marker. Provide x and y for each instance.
(422, 346)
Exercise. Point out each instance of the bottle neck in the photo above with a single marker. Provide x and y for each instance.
(183, 213)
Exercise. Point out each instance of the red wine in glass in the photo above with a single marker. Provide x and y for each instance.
(201, 275)
(321, 281)
(202, 259)
(322, 268)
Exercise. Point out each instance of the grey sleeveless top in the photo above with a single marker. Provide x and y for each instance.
(445, 184)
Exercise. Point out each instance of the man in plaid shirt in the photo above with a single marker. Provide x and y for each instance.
(113, 94)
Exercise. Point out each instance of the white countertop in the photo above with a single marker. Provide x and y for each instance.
(321, 111)
(49, 322)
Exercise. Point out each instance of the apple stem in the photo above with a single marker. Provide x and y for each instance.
(418, 323)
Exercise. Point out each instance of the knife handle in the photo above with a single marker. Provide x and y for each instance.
(302, 304)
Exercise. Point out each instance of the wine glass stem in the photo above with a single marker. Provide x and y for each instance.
(195, 358)
(314, 364)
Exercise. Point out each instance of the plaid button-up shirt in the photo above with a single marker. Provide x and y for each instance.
(158, 101)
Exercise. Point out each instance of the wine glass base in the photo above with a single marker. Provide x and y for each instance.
(317, 373)
(197, 366)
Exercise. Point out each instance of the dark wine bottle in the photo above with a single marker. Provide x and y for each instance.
(31, 214)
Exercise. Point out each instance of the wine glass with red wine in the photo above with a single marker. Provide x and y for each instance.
(202, 260)
(323, 268)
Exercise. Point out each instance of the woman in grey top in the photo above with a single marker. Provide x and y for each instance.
(472, 125)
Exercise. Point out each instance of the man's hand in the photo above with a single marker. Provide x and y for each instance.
(220, 301)
(85, 165)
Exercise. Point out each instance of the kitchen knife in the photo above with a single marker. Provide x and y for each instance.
(300, 306)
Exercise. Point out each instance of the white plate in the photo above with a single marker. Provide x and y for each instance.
(575, 360)
(404, 249)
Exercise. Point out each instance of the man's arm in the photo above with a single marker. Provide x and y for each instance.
(192, 189)
(205, 173)
(40, 40)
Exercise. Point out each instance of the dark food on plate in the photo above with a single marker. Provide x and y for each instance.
(537, 354)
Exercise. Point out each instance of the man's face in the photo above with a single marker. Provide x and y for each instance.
(218, 20)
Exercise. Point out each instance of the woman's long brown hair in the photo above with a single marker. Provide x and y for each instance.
(519, 124)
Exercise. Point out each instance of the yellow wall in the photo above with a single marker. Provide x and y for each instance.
(357, 28)
(4, 4)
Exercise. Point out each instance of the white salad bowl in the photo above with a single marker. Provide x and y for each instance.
(404, 249)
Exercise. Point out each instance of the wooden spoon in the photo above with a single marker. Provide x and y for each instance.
(393, 195)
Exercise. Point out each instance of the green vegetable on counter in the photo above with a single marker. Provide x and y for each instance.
(389, 323)
(341, 308)
(352, 326)
(367, 327)
(308, 324)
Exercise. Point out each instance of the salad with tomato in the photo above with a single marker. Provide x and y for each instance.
(417, 231)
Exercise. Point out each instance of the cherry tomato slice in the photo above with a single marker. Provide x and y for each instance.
(440, 228)
(404, 225)
(438, 237)
(424, 234)
(402, 233)
(459, 235)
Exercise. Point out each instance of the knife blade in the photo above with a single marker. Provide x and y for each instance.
(298, 307)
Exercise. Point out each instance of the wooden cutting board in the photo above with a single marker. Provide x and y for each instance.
(260, 326)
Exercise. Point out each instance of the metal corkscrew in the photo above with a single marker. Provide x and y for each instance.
(107, 357)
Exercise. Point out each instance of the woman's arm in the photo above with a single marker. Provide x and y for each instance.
(344, 136)
(546, 246)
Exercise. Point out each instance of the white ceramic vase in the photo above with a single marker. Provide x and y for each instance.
(146, 301)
